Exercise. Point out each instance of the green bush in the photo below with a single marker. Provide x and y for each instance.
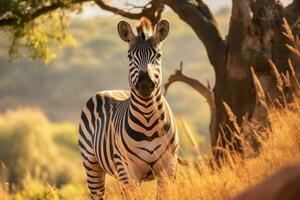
(32, 146)
(36, 191)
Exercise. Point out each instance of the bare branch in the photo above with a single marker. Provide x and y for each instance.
(133, 6)
(151, 10)
(178, 76)
(117, 11)
(195, 84)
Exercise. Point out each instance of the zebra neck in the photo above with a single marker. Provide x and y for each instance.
(148, 108)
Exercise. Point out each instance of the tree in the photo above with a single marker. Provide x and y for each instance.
(250, 62)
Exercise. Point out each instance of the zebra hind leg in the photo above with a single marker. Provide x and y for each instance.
(95, 179)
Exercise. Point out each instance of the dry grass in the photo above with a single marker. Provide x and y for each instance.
(282, 148)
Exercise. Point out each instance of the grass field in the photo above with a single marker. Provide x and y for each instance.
(282, 148)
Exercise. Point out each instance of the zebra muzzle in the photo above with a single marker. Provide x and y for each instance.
(145, 86)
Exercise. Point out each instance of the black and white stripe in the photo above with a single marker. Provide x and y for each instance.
(123, 134)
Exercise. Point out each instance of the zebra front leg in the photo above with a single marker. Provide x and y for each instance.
(95, 178)
(129, 191)
(165, 171)
(162, 185)
(127, 180)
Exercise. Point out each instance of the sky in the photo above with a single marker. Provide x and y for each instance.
(93, 11)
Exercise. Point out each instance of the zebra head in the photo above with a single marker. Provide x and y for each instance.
(144, 55)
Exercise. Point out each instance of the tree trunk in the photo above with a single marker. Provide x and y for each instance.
(255, 39)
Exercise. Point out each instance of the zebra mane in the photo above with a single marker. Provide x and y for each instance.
(145, 29)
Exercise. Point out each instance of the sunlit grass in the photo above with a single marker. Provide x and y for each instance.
(282, 148)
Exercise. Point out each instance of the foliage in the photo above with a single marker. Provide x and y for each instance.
(36, 191)
(42, 37)
(30, 146)
(37, 36)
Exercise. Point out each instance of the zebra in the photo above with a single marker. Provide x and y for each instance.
(131, 135)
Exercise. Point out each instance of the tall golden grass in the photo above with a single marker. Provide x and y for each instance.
(280, 148)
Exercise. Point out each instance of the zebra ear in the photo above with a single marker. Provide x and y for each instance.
(125, 31)
(162, 30)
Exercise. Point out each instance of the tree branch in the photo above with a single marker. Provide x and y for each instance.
(203, 22)
(195, 84)
(178, 76)
(46, 9)
(151, 10)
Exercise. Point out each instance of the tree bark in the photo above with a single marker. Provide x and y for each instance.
(255, 37)
(199, 17)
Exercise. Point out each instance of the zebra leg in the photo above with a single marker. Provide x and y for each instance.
(127, 180)
(161, 186)
(164, 170)
(95, 178)
(129, 191)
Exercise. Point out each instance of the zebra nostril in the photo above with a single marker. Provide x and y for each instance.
(139, 85)
(152, 86)
(145, 84)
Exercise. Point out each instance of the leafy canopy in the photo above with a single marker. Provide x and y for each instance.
(37, 28)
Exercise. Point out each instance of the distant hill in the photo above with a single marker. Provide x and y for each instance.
(99, 62)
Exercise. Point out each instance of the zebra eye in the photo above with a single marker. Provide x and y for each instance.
(158, 56)
(130, 57)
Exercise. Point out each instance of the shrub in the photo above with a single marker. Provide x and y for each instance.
(29, 145)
